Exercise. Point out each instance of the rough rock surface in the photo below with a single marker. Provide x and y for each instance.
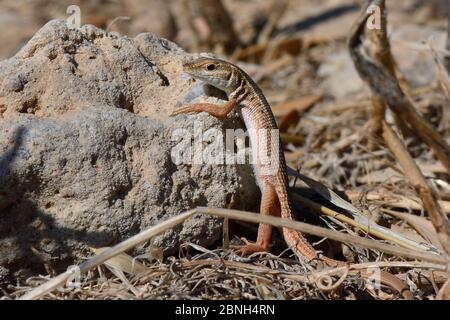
(85, 148)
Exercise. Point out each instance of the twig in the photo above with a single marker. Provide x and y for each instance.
(262, 269)
(420, 224)
(314, 277)
(106, 255)
(382, 55)
(300, 105)
(363, 103)
(211, 24)
(443, 75)
(386, 86)
(447, 58)
(370, 228)
(426, 193)
(444, 293)
(375, 127)
(116, 19)
(360, 220)
(289, 138)
(393, 200)
(271, 67)
(289, 120)
(278, 10)
(273, 48)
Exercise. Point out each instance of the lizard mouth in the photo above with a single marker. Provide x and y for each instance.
(196, 76)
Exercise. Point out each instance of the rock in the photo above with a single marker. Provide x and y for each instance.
(86, 148)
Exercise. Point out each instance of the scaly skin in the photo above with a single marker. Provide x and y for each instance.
(253, 107)
(268, 157)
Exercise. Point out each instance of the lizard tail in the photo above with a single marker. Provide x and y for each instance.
(295, 240)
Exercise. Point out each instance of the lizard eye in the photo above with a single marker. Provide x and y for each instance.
(210, 67)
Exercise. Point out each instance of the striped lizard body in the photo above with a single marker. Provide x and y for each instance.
(268, 159)
(267, 154)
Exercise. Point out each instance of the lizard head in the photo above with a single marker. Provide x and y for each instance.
(215, 72)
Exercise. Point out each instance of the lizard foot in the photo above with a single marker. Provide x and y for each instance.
(182, 110)
(249, 248)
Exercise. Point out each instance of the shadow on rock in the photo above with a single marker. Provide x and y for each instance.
(29, 237)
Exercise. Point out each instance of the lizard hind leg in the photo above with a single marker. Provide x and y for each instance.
(269, 206)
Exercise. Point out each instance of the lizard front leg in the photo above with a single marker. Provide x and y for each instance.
(216, 110)
(269, 206)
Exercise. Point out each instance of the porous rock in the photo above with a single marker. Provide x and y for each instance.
(85, 148)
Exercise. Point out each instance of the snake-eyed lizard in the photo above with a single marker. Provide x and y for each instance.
(268, 157)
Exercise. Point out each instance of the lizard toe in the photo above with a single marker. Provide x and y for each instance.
(248, 248)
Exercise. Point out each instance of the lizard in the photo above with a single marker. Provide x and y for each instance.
(268, 160)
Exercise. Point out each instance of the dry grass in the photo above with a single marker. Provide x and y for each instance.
(199, 273)
(221, 274)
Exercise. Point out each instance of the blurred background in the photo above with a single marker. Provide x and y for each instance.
(213, 25)
(294, 49)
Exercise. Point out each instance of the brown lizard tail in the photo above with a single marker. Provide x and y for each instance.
(294, 239)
